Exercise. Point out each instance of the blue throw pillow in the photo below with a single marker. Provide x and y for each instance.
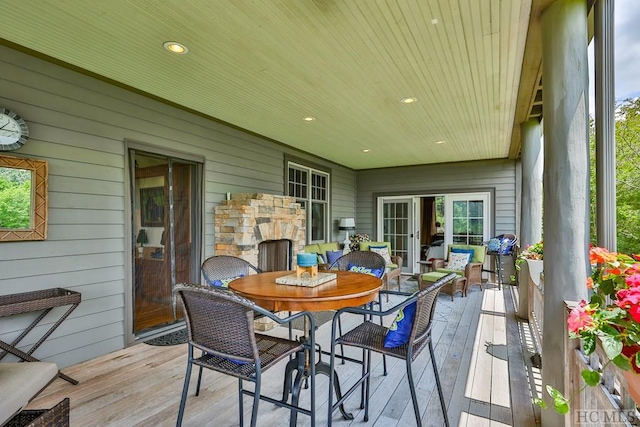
(238, 362)
(463, 251)
(332, 256)
(224, 283)
(400, 329)
(377, 272)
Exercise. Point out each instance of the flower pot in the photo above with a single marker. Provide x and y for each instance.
(633, 385)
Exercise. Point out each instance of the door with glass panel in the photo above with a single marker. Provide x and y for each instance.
(397, 228)
(467, 218)
(166, 235)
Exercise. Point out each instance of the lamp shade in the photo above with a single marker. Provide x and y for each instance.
(143, 239)
(347, 224)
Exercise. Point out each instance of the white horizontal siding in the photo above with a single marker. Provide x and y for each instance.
(80, 125)
(497, 175)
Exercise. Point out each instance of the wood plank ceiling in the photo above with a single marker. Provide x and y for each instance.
(264, 65)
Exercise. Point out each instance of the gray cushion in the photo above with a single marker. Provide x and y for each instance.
(20, 382)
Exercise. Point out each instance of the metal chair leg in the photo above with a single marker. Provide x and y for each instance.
(256, 401)
(367, 385)
(414, 397)
(439, 386)
(185, 388)
(240, 406)
(340, 334)
(199, 381)
(384, 357)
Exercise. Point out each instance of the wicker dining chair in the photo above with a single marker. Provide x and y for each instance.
(221, 267)
(366, 259)
(370, 337)
(230, 345)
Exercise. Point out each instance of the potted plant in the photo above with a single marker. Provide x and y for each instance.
(532, 252)
(612, 316)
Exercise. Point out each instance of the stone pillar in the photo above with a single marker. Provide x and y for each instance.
(531, 210)
(566, 180)
(605, 125)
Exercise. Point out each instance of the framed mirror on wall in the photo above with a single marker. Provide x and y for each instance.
(23, 199)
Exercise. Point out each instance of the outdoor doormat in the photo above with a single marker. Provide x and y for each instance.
(172, 338)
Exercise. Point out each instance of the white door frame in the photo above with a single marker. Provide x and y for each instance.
(448, 213)
(413, 247)
(414, 225)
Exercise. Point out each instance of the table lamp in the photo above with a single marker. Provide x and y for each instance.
(143, 239)
(347, 224)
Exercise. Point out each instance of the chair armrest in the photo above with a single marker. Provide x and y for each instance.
(391, 310)
(473, 272)
(437, 263)
(397, 259)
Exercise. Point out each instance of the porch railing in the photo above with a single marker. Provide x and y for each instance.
(608, 404)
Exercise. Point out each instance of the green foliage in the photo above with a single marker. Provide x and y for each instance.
(15, 203)
(627, 131)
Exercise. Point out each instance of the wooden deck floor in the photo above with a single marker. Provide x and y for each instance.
(481, 351)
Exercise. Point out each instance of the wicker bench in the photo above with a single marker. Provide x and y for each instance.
(21, 382)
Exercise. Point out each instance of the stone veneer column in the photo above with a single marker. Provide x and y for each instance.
(241, 223)
(566, 182)
(531, 209)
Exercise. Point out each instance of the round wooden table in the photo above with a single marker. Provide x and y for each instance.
(348, 289)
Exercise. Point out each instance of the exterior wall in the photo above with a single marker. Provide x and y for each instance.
(496, 175)
(80, 125)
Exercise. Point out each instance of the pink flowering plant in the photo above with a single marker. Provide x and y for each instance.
(612, 315)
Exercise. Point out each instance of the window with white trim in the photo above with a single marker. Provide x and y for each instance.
(310, 187)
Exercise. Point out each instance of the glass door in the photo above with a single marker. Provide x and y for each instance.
(166, 235)
(468, 216)
(397, 228)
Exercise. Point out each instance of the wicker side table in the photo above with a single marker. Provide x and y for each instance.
(26, 302)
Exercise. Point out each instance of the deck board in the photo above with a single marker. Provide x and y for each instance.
(482, 362)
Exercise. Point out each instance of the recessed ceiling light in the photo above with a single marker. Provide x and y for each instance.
(366, 150)
(175, 47)
(308, 118)
(440, 142)
(408, 100)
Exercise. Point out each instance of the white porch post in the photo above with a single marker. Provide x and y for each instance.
(531, 208)
(605, 125)
(566, 180)
(532, 161)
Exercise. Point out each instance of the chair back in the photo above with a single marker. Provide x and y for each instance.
(220, 267)
(364, 259)
(219, 322)
(426, 300)
(478, 255)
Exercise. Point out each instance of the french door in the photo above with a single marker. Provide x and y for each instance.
(467, 218)
(166, 230)
(396, 226)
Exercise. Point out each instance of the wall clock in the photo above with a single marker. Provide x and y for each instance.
(13, 130)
